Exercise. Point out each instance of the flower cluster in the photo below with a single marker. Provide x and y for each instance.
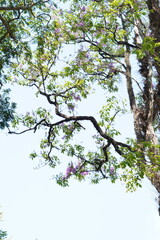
(76, 96)
(111, 67)
(83, 9)
(81, 24)
(84, 173)
(71, 169)
(112, 170)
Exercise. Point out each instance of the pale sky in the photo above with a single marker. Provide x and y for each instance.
(35, 207)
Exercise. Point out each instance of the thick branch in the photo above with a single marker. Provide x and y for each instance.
(97, 127)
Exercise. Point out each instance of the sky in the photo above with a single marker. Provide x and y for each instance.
(35, 207)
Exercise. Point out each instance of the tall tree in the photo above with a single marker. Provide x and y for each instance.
(111, 38)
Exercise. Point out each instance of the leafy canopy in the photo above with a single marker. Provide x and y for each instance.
(108, 37)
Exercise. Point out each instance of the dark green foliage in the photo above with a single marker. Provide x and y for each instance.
(7, 109)
(3, 235)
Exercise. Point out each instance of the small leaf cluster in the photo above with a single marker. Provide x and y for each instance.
(3, 235)
(7, 109)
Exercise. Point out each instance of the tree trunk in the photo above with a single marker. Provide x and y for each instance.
(145, 114)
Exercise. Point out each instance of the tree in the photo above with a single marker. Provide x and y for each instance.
(110, 37)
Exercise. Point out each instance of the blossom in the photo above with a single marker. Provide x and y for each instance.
(78, 165)
(74, 170)
(81, 24)
(111, 68)
(70, 127)
(87, 55)
(28, 113)
(77, 98)
(71, 106)
(84, 173)
(112, 170)
(83, 9)
(110, 65)
(69, 170)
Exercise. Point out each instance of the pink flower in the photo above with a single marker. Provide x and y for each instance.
(87, 55)
(110, 65)
(111, 170)
(83, 9)
(84, 173)
(81, 24)
(74, 170)
(77, 98)
(68, 170)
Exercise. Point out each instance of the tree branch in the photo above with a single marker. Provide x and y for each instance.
(8, 28)
(28, 129)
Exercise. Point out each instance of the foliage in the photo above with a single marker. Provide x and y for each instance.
(17, 21)
(3, 235)
(7, 109)
(108, 38)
